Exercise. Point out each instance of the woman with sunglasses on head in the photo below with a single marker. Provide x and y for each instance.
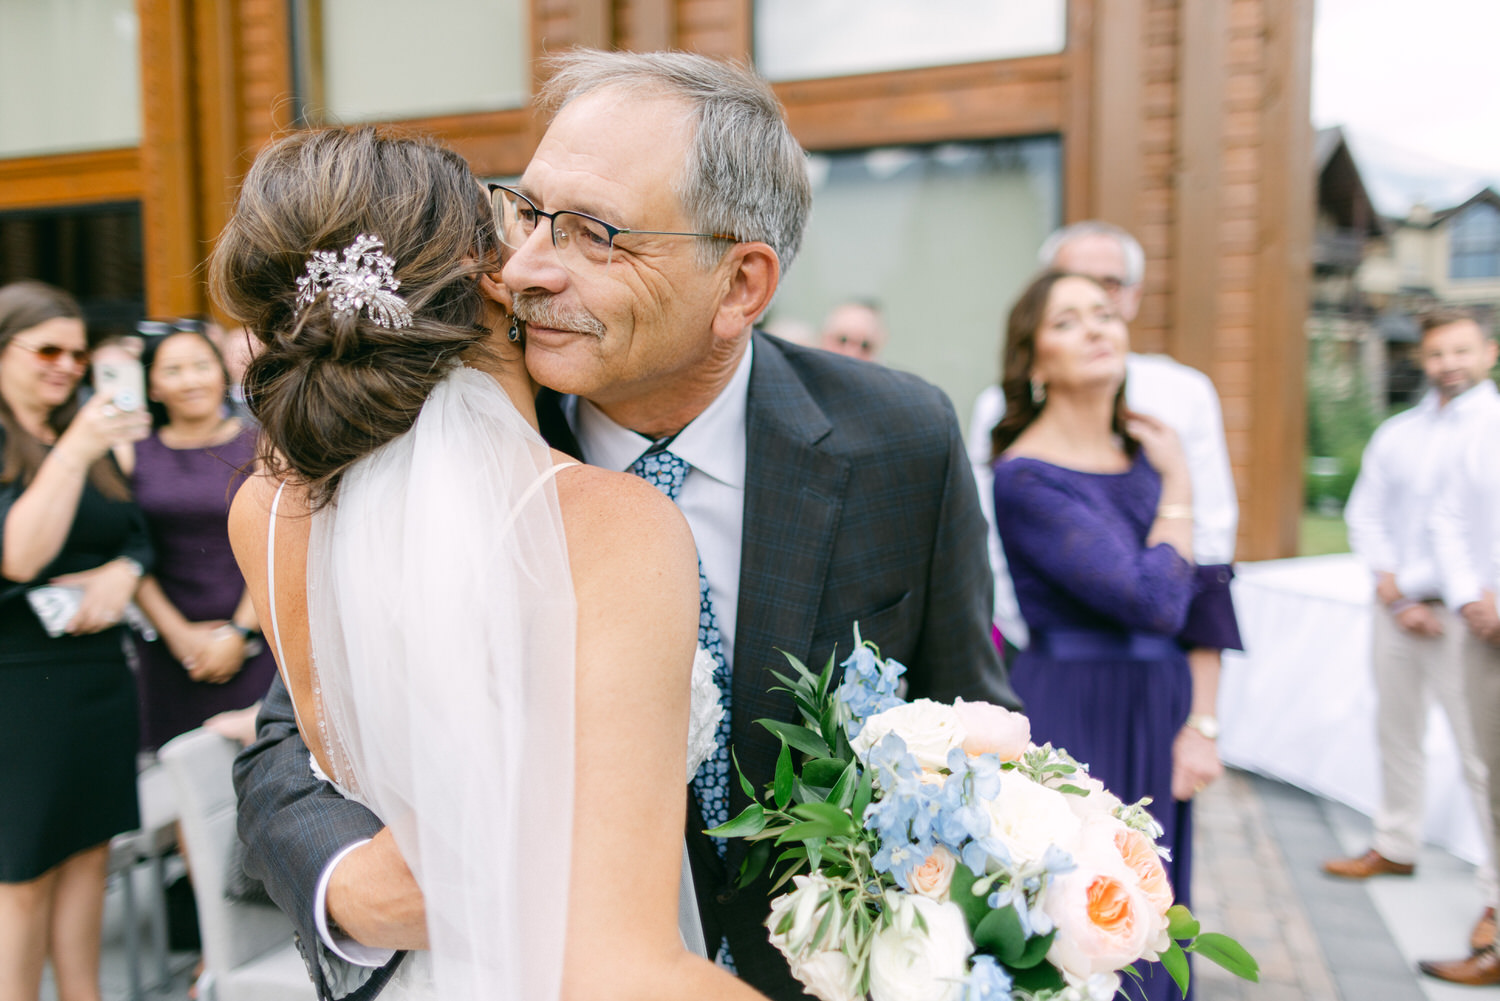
(209, 658)
(67, 749)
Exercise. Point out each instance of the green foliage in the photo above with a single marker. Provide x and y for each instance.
(1340, 421)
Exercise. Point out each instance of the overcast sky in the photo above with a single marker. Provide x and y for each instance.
(1416, 84)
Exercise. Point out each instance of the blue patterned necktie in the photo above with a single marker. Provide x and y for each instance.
(666, 472)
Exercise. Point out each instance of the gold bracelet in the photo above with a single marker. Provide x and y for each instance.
(1170, 511)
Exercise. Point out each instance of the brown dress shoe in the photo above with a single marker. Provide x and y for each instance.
(1371, 863)
(1479, 970)
(1483, 935)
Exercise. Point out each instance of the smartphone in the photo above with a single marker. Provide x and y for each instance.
(119, 377)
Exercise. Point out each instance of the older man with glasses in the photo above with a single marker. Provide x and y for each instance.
(821, 491)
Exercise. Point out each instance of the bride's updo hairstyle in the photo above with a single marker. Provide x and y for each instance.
(331, 386)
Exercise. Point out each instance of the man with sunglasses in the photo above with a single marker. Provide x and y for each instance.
(644, 241)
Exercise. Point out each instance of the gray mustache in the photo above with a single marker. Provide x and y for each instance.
(543, 310)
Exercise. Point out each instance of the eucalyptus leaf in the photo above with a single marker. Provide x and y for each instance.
(754, 862)
(751, 821)
(799, 737)
(1174, 961)
(823, 772)
(961, 892)
(808, 829)
(1039, 978)
(1001, 933)
(781, 790)
(744, 782)
(862, 795)
(842, 794)
(798, 666)
(1181, 924)
(836, 818)
(1227, 953)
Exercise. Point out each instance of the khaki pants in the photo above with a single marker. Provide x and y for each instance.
(1410, 672)
(1482, 682)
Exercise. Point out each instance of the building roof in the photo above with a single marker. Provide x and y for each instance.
(1341, 189)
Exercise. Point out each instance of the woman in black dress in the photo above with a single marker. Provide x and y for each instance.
(67, 746)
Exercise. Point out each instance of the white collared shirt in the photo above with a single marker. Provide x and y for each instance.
(1390, 509)
(713, 495)
(1466, 517)
(1180, 396)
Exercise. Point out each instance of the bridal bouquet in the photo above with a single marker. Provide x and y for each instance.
(935, 854)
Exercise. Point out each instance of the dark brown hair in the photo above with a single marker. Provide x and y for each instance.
(1019, 355)
(1446, 316)
(330, 388)
(24, 305)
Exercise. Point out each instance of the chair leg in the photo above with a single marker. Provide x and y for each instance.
(159, 918)
(132, 937)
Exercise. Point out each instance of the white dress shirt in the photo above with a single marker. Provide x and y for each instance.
(1183, 398)
(713, 494)
(1465, 519)
(1408, 459)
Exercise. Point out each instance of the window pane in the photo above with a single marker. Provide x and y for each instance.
(802, 39)
(373, 60)
(93, 251)
(69, 76)
(942, 237)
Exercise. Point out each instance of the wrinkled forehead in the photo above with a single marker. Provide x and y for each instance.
(610, 152)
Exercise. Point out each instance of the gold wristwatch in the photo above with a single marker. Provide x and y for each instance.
(1204, 724)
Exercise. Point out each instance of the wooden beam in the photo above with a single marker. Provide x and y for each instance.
(1286, 220)
(112, 175)
(1016, 97)
(216, 64)
(653, 25)
(169, 200)
(1198, 181)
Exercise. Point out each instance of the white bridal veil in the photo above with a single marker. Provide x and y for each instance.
(442, 623)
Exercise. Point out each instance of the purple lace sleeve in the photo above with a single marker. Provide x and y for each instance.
(1081, 538)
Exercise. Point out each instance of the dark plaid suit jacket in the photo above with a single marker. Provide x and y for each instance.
(859, 506)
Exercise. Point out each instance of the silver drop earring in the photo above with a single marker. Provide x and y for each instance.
(514, 334)
(1038, 391)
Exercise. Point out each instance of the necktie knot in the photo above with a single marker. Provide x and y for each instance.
(663, 470)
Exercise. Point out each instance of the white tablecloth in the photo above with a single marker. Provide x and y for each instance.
(1299, 704)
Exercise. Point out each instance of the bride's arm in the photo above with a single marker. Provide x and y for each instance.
(636, 581)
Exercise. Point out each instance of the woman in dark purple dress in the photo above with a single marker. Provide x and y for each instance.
(1094, 508)
(209, 658)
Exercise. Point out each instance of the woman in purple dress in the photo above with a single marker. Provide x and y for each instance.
(209, 658)
(1094, 508)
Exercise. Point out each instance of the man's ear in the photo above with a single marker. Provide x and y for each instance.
(752, 271)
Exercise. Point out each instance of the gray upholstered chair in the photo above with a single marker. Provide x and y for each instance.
(248, 953)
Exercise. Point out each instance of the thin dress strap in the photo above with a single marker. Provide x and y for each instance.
(531, 491)
(271, 601)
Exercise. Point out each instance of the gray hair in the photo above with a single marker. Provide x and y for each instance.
(745, 175)
(1135, 257)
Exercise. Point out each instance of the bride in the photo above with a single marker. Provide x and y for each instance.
(487, 644)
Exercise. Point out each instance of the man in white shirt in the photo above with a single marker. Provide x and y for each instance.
(1466, 540)
(1417, 644)
(1186, 400)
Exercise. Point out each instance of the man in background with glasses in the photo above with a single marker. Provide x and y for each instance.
(644, 242)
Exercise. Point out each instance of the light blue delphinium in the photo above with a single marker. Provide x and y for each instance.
(868, 688)
(963, 821)
(987, 981)
(903, 815)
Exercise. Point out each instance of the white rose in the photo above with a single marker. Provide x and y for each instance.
(1098, 801)
(828, 975)
(1028, 819)
(909, 964)
(929, 728)
(802, 903)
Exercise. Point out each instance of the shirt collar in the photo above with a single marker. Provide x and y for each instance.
(712, 443)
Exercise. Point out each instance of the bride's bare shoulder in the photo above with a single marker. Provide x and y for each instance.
(250, 511)
(617, 518)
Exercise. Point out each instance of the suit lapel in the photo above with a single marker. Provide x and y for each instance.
(794, 489)
(554, 424)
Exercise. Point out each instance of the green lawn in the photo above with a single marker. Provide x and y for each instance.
(1322, 534)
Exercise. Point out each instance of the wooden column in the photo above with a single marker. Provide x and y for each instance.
(1198, 182)
(1286, 222)
(1118, 111)
(169, 194)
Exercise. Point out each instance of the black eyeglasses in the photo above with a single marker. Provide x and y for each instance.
(580, 239)
(52, 353)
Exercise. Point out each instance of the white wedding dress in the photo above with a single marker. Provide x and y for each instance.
(441, 618)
